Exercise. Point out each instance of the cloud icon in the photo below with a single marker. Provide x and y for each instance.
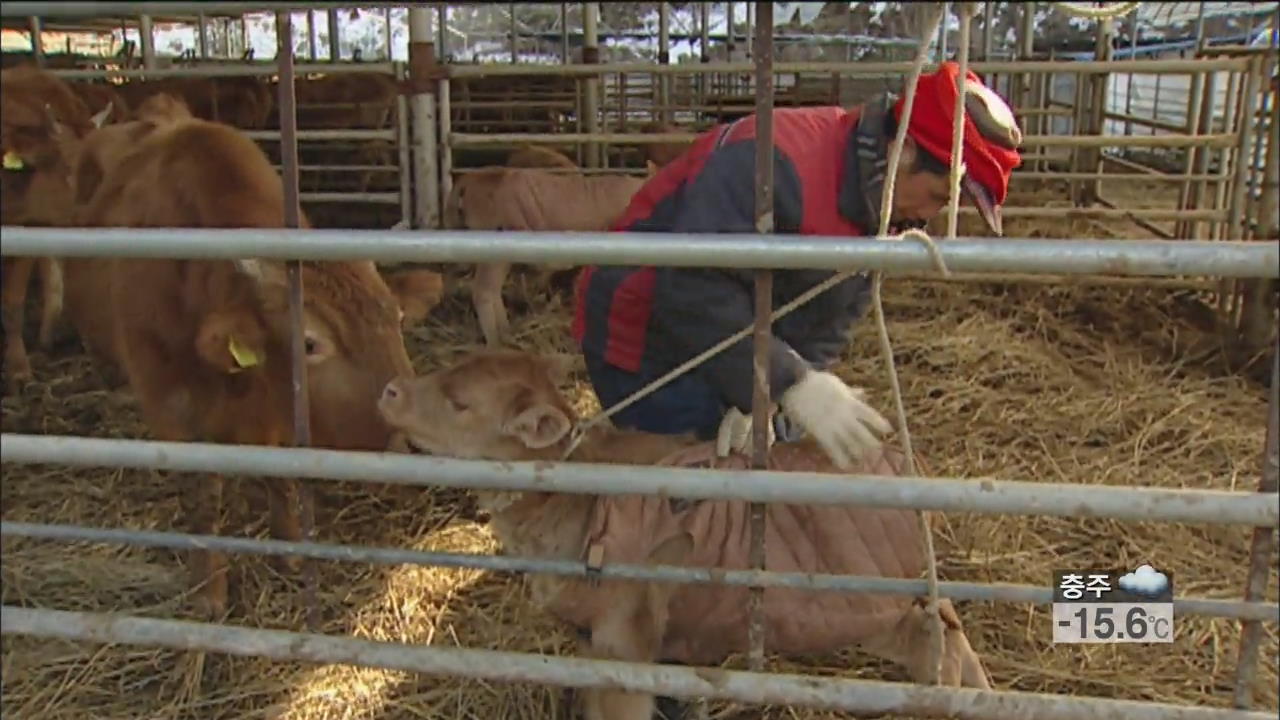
(1146, 580)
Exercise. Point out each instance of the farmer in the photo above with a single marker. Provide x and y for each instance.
(636, 323)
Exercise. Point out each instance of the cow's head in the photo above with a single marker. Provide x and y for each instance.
(39, 117)
(495, 405)
(352, 341)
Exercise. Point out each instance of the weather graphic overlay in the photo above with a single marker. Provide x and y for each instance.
(1113, 606)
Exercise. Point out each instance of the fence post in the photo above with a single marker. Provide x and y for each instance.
(37, 41)
(291, 492)
(422, 111)
(591, 84)
(1261, 548)
(763, 309)
(335, 46)
(146, 38)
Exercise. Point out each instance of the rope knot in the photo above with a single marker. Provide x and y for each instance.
(923, 238)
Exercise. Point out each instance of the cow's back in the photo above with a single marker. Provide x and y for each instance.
(188, 173)
(191, 173)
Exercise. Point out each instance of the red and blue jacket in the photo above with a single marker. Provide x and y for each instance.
(828, 170)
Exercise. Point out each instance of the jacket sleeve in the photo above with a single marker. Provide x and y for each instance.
(820, 330)
(700, 307)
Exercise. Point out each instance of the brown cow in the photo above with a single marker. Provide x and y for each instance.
(205, 344)
(529, 199)
(33, 104)
(505, 406)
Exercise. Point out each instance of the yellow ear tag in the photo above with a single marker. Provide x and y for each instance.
(12, 161)
(244, 357)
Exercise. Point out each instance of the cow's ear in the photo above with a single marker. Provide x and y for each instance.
(538, 425)
(100, 118)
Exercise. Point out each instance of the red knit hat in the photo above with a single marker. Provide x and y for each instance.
(990, 134)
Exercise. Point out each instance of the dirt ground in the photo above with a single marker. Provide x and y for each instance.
(1068, 384)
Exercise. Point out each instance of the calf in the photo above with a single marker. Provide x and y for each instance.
(529, 199)
(205, 344)
(505, 406)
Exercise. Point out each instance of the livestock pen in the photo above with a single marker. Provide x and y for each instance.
(1078, 387)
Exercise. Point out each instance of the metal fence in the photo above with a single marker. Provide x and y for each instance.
(1136, 258)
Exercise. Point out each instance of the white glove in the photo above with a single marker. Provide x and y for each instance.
(836, 415)
(735, 433)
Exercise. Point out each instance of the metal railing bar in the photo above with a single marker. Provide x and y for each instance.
(324, 134)
(963, 255)
(856, 69)
(869, 584)
(1211, 507)
(458, 139)
(245, 70)
(107, 9)
(384, 198)
(863, 697)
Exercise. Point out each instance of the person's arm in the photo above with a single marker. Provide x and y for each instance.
(700, 307)
(821, 329)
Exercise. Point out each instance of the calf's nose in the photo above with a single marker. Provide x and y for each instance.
(395, 396)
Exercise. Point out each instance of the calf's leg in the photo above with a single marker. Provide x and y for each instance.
(486, 295)
(907, 644)
(631, 627)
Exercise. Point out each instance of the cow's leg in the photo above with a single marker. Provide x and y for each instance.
(13, 301)
(208, 567)
(630, 627)
(51, 296)
(486, 295)
(907, 644)
(283, 498)
(201, 502)
(166, 406)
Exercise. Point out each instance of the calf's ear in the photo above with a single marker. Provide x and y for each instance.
(538, 426)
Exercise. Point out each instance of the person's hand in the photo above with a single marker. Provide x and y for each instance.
(735, 433)
(836, 415)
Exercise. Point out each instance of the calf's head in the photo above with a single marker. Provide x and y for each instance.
(352, 341)
(494, 405)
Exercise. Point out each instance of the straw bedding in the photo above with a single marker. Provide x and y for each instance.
(1061, 384)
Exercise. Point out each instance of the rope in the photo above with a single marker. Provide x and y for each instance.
(1106, 13)
(933, 17)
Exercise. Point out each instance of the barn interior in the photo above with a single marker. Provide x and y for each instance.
(1090, 380)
